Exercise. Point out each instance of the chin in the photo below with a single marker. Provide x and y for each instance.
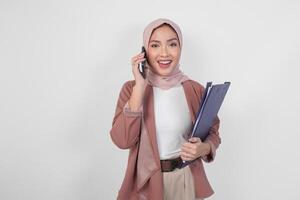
(164, 72)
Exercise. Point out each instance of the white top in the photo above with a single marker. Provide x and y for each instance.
(172, 120)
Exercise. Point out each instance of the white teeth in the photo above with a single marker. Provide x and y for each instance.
(165, 62)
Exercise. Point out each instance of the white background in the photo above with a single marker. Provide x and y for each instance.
(63, 64)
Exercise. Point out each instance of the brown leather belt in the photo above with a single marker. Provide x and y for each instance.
(170, 164)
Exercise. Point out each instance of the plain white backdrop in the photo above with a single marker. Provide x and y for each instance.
(62, 65)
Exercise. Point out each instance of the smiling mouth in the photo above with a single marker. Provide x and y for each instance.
(164, 63)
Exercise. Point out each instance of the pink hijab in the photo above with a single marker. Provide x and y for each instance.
(177, 76)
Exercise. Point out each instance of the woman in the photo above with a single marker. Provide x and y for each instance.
(154, 118)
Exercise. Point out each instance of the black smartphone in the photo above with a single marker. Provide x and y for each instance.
(142, 65)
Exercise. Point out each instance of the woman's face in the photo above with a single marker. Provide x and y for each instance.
(163, 50)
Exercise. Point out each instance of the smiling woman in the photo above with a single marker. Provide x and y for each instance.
(154, 117)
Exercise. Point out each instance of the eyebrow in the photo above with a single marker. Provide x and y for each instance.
(167, 40)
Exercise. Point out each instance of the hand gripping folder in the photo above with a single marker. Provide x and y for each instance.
(209, 107)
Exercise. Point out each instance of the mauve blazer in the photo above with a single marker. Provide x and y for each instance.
(125, 132)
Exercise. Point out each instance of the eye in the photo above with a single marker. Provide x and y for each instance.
(174, 44)
(154, 45)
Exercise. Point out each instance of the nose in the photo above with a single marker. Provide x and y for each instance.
(164, 51)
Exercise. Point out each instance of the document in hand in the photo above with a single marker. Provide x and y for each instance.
(209, 107)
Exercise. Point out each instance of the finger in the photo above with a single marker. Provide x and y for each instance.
(189, 145)
(141, 58)
(139, 55)
(133, 59)
(195, 139)
(183, 158)
(186, 156)
(136, 62)
(188, 150)
(135, 69)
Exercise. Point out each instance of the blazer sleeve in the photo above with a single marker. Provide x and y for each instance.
(213, 138)
(126, 125)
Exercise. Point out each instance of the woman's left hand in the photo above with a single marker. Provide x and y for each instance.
(194, 149)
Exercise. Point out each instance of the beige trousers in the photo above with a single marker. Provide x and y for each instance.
(179, 185)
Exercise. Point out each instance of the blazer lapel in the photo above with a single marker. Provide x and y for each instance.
(150, 121)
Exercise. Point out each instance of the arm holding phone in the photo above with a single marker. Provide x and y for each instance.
(127, 121)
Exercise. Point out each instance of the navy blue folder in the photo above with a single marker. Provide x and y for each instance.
(209, 107)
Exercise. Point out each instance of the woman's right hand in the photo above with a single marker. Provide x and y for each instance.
(136, 99)
(139, 80)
